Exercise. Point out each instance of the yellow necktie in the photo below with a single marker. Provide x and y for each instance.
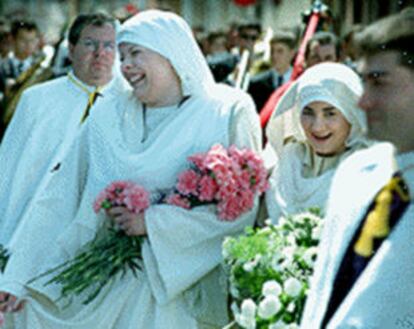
(377, 223)
(92, 96)
(91, 100)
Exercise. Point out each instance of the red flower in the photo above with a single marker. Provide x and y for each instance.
(208, 188)
(179, 201)
(188, 182)
(230, 178)
(122, 193)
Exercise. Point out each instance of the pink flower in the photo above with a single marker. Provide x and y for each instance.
(122, 193)
(198, 160)
(118, 186)
(217, 150)
(246, 199)
(230, 178)
(228, 189)
(244, 179)
(188, 182)
(179, 201)
(222, 172)
(97, 205)
(218, 161)
(207, 188)
(136, 199)
(229, 209)
(236, 154)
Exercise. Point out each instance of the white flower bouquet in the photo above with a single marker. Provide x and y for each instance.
(269, 270)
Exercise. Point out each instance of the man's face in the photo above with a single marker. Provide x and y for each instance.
(321, 53)
(281, 56)
(248, 38)
(26, 43)
(218, 45)
(94, 54)
(388, 99)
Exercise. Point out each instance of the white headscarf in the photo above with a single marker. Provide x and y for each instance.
(292, 188)
(333, 83)
(170, 36)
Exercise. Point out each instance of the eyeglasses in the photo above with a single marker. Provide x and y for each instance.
(94, 45)
(251, 37)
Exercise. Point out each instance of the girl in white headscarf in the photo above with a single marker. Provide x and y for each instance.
(175, 110)
(314, 127)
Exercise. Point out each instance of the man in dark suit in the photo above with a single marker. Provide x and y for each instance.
(261, 86)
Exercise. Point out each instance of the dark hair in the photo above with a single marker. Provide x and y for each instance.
(323, 38)
(249, 26)
(4, 29)
(216, 35)
(285, 37)
(18, 25)
(349, 34)
(395, 32)
(83, 20)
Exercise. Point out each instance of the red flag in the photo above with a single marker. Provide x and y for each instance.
(244, 2)
(271, 103)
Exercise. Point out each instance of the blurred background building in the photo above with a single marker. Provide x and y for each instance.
(210, 15)
(250, 44)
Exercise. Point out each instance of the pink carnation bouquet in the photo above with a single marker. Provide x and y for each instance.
(123, 193)
(110, 254)
(230, 178)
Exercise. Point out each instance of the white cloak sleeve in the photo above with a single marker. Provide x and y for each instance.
(34, 246)
(11, 149)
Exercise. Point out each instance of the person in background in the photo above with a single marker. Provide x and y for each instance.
(316, 125)
(248, 34)
(322, 47)
(50, 115)
(6, 41)
(26, 39)
(220, 60)
(6, 45)
(365, 267)
(261, 86)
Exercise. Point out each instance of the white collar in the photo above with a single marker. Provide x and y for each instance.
(85, 87)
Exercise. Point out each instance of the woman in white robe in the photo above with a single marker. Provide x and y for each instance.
(307, 158)
(145, 137)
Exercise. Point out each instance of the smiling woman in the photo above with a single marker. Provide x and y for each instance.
(315, 126)
(325, 127)
(152, 77)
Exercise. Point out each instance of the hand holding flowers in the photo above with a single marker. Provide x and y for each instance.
(112, 253)
(9, 303)
(132, 224)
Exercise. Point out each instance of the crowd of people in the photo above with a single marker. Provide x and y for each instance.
(134, 101)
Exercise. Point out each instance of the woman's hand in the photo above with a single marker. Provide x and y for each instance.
(132, 224)
(9, 303)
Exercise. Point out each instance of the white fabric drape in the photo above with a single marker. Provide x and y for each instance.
(301, 178)
(179, 285)
(46, 121)
(382, 295)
